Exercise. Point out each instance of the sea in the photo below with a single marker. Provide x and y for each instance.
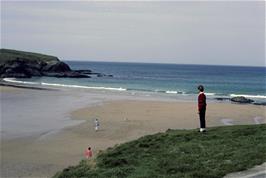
(175, 80)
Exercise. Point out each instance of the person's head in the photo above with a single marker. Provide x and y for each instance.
(89, 148)
(201, 88)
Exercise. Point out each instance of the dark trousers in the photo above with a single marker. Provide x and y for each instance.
(202, 118)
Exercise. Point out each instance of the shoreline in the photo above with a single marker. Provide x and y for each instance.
(123, 117)
(9, 84)
(168, 95)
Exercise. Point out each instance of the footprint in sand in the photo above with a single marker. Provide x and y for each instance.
(227, 121)
(257, 120)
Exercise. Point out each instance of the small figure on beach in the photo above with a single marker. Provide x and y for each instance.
(88, 153)
(202, 108)
(97, 124)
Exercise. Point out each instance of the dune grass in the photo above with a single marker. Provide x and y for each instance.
(179, 153)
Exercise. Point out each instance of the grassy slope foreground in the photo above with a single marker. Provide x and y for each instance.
(179, 153)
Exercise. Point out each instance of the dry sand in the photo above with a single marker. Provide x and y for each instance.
(120, 121)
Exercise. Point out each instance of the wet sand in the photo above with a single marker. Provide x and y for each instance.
(122, 118)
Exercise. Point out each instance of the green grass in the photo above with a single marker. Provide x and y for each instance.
(179, 153)
(9, 55)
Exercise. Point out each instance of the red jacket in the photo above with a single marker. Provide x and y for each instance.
(202, 101)
(88, 153)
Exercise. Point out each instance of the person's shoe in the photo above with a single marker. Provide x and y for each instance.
(202, 130)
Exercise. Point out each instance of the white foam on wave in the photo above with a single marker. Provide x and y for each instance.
(174, 92)
(210, 94)
(83, 87)
(249, 96)
(13, 80)
(171, 92)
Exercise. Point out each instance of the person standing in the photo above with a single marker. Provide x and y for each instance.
(88, 153)
(202, 108)
(97, 124)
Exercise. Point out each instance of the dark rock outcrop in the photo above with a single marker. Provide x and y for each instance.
(22, 68)
(56, 67)
(241, 99)
(70, 74)
(84, 71)
(260, 103)
(16, 68)
(20, 64)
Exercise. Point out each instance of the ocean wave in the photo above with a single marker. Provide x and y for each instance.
(142, 90)
(249, 96)
(210, 94)
(83, 87)
(174, 92)
(157, 91)
(171, 92)
(13, 80)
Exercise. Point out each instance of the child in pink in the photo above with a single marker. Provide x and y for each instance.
(88, 153)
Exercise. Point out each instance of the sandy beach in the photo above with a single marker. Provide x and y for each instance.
(57, 125)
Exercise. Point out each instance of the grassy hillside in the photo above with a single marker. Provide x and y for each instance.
(179, 153)
(9, 54)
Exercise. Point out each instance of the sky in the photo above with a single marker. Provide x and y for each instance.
(193, 32)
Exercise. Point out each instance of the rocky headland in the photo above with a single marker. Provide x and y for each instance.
(21, 64)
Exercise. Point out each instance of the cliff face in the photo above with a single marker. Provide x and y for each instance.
(20, 64)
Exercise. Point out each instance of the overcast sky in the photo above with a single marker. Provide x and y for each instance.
(227, 33)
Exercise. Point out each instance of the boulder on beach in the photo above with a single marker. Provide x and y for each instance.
(241, 99)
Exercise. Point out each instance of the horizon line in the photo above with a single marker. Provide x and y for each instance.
(139, 62)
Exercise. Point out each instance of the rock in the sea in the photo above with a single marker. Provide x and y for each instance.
(241, 99)
(75, 74)
(84, 71)
(71, 74)
(260, 103)
(102, 75)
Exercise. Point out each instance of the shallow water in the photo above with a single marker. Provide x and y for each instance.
(33, 112)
